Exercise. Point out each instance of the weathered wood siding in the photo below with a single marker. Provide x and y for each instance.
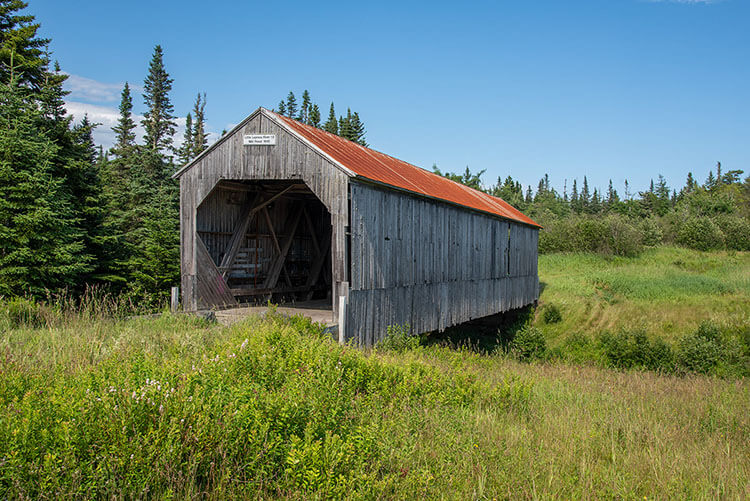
(432, 265)
(290, 158)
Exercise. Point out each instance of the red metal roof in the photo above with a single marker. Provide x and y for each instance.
(385, 169)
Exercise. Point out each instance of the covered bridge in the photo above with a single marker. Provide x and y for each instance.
(277, 210)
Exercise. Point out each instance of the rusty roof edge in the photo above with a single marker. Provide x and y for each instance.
(475, 193)
(223, 138)
(271, 115)
(367, 180)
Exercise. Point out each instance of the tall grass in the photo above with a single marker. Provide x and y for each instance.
(64, 307)
(667, 291)
(179, 407)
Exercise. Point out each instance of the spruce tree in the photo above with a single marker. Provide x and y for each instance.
(185, 151)
(125, 128)
(690, 184)
(21, 51)
(585, 196)
(315, 116)
(332, 125)
(357, 129)
(291, 105)
(574, 201)
(282, 108)
(88, 202)
(345, 125)
(41, 244)
(304, 112)
(158, 120)
(718, 174)
(200, 137)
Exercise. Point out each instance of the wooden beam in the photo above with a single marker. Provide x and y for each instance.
(235, 242)
(212, 290)
(317, 265)
(240, 229)
(276, 243)
(273, 275)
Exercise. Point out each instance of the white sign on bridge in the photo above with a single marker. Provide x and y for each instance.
(259, 139)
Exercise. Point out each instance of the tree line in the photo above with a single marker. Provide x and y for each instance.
(707, 216)
(348, 126)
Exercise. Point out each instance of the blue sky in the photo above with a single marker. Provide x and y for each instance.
(604, 88)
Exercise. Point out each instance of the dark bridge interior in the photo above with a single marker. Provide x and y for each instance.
(270, 240)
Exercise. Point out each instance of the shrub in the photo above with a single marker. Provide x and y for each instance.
(634, 350)
(612, 234)
(736, 232)
(700, 233)
(699, 354)
(528, 344)
(623, 238)
(398, 338)
(651, 232)
(551, 314)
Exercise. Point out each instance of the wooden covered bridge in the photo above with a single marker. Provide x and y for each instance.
(277, 210)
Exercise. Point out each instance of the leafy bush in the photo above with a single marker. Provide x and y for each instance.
(699, 354)
(551, 314)
(398, 338)
(611, 235)
(736, 231)
(700, 233)
(651, 232)
(634, 350)
(528, 344)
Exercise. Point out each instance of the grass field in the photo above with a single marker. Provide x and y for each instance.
(176, 407)
(179, 407)
(668, 291)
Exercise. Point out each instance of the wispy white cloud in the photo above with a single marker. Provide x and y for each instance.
(86, 89)
(107, 116)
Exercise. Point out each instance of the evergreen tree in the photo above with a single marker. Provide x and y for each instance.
(595, 207)
(357, 129)
(282, 108)
(125, 128)
(718, 174)
(344, 125)
(200, 137)
(690, 184)
(185, 151)
(88, 201)
(661, 192)
(304, 112)
(41, 243)
(612, 197)
(332, 125)
(291, 105)
(21, 51)
(158, 120)
(574, 200)
(585, 196)
(710, 183)
(315, 116)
